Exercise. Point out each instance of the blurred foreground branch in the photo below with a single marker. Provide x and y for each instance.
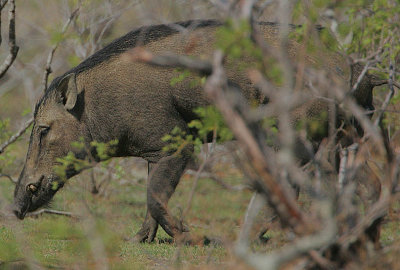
(169, 60)
(300, 247)
(277, 195)
(282, 201)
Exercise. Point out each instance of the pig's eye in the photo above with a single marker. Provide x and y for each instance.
(43, 130)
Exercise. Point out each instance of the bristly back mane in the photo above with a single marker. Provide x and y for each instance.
(140, 36)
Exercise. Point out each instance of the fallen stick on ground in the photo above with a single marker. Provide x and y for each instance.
(54, 212)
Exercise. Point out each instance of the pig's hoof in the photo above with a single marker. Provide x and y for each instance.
(139, 238)
(147, 233)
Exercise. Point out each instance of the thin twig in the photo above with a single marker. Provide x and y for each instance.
(302, 246)
(2, 4)
(196, 180)
(106, 26)
(360, 78)
(9, 177)
(14, 137)
(11, 41)
(169, 60)
(377, 210)
(342, 168)
(219, 181)
(388, 96)
(53, 212)
(373, 55)
(48, 69)
(382, 82)
(357, 112)
(254, 207)
(396, 84)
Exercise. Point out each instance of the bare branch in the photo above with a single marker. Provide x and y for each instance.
(53, 212)
(11, 40)
(246, 8)
(378, 210)
(359, 79)
(388, 96)
(382, 82)
(219, 181)
(255, 204)
(48, 70)
(342, 168)
(106, 27)
(358, 113)
(282, 201)
(2, 4)
(9, 177)
(301, 247)
(373, 55)
(14, 137)
(196, 180)
(169, 60)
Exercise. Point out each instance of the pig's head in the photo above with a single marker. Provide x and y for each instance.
(56, 126)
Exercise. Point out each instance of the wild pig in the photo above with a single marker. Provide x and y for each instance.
(108, 98)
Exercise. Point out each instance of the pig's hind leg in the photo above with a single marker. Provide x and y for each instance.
(163, 180)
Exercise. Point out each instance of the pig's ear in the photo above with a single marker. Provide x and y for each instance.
(69, 92)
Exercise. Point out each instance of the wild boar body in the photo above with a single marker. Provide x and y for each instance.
(109, 97)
